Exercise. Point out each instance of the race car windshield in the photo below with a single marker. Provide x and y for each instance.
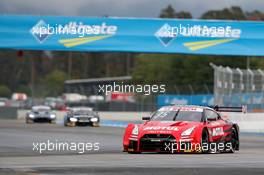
(83, 113)
(41, 110)
(177, 116)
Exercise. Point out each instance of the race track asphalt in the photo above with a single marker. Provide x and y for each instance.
(17, 155)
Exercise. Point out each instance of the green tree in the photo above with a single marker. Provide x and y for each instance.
(237, 13)
(232, 13)
(168, 12)
(184, 15)
(184, 70)
(5, 91)
(54, 83)
(23, 89)
(255, 15)
(152, 69)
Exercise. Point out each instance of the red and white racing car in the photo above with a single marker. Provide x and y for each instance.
(187, 128)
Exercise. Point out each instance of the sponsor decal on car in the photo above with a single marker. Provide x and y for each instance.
(217, 131)
(165, 128)
(181, 108)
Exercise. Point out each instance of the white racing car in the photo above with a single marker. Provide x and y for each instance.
(40, 114)
(81, 116)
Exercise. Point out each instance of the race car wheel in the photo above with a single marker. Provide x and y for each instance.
(134, 152)
(205, 141)
(95, 124)
(71, 124)
(234, 141)
(132, 147)
(52, 122)
(28, 121)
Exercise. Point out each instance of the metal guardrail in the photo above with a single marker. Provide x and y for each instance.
(8, 112)
(236, 87)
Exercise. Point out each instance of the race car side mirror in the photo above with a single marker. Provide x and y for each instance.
(145, 118)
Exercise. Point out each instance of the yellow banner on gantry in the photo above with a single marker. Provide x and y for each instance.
(197, 45)
(79, 41)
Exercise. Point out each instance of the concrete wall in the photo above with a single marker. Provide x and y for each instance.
(120, 116)
(8, 113)
(249, 122)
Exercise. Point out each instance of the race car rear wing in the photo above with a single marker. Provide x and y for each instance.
(230, 109)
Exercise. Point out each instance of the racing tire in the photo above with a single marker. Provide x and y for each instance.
(205, 141)
(71, 124)
(52, 122)
(95, 124)
(65, 121)
(28, 121)
(133, 152)
(234, 141)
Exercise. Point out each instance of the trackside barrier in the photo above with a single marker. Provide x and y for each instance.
(8, 113)
(248, 122)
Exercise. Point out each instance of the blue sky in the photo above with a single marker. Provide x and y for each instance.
(121, 8)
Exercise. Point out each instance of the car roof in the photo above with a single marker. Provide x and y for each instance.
(188, 106)
(41, 107)
(81, 108)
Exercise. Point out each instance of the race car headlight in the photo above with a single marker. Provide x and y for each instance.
(52, 115)
(73, 119)
(187, 132)
(94, 119)
(31, 115)
(135, 130)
